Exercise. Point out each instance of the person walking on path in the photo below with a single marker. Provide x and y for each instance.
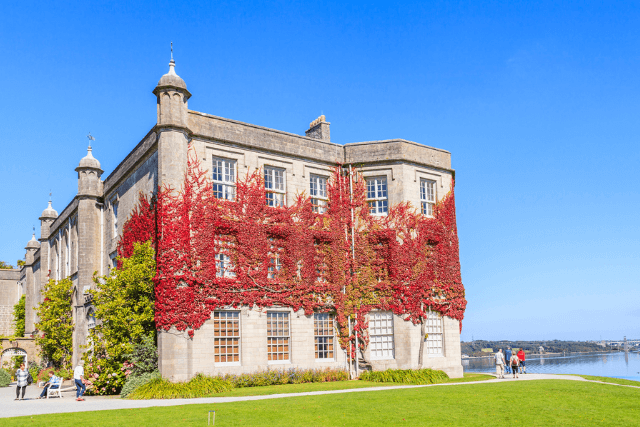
(500, 364)
(514, 365)
(523, 367)
(507, 356)
(21, 375)
(78, 377)
(53, 383)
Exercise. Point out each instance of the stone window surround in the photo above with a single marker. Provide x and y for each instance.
(113, 260)
(114, 201)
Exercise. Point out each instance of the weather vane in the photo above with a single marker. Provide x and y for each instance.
(172, 51)
(91, 138)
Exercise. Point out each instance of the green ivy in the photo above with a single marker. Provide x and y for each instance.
(56, 323)
(18, 317)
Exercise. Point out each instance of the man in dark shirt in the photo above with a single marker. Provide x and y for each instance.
(507, 357)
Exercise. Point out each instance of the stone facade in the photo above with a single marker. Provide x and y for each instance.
(10, 293)
(83, 238)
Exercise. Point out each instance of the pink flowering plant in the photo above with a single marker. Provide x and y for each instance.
(106, 376)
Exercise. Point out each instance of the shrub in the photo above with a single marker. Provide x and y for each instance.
(106, 376)
(135, 381)
(405, 376)
(199, 386)
(5, 378)
(43, 375)
(290, 376)
(144, 357)
(34, 369)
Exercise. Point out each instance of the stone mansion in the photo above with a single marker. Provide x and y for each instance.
(82, 238)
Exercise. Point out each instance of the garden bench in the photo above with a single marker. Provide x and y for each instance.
(58, 391)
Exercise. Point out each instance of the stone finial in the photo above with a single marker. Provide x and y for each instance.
(319, 129)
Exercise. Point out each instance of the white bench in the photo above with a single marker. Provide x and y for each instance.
(58, 391)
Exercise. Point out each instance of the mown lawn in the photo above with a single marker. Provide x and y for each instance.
(336, 385)
(611, 380)
(527, 403)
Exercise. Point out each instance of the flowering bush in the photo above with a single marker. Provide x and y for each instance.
(106, 376)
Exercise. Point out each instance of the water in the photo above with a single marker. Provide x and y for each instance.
(617, 365)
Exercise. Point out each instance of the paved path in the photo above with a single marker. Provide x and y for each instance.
(32, 406)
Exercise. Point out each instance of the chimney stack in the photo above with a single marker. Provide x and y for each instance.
(319, 129)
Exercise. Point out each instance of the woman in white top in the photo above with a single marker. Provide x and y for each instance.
(21, 375)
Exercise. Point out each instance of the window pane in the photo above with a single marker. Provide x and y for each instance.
(434, 340)
(277, 336)
(381, 333)
(323, 332)
(226, 331)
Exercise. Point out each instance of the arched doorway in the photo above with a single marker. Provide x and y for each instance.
(9, 353)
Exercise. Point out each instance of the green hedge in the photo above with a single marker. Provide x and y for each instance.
(136, 381)
(405, 376)
(5, 378)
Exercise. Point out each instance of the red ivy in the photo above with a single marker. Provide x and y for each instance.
(404, 262)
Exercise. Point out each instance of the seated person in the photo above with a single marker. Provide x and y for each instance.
(54, 383)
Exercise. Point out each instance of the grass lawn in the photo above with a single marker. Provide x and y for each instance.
(527, 403)
(336, 385)
(611, 380)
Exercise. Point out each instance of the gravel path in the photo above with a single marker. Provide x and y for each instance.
(32, 406)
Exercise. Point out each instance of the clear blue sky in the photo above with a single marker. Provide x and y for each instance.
(539, 104)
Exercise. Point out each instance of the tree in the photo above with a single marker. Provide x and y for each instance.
(18, 317)
(20, 263)
(56, 323)
(5, 266)
(124, 305)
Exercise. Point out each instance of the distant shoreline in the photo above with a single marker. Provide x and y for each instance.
(549, 354)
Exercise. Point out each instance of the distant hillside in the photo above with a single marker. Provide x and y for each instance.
(475, 348)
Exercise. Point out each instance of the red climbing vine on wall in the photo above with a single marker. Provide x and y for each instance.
(289, 256)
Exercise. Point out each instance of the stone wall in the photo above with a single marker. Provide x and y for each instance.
(181, 357)
(28, 345)
(9, 296)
